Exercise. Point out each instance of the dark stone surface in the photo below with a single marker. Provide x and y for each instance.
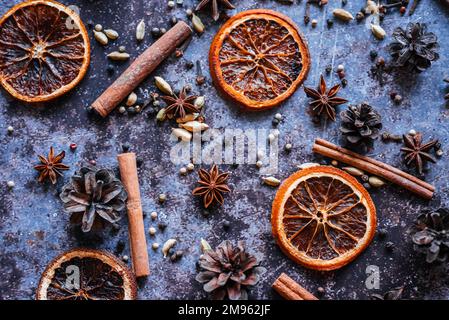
(34, 228)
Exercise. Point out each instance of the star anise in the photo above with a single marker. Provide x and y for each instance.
(417, 152)
(179, 106)
(324, 101)
(51, 166)
(214, 4)
(213, 184)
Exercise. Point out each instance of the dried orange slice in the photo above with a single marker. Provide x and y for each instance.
(259, 58)
(323, 218)
(86, 274)
(44, 50)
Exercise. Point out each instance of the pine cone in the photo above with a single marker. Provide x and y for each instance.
(94, 192)
(414, 47)
(431, 235)
(228, 271)
(360, 123)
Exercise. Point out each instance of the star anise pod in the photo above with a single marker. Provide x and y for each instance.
(394, 294)
(51, 166)
(213, 184)
(324, 102)
(214, 3)
(416, 152)
(180, 105)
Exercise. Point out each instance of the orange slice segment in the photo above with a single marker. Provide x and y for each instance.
(323, 218)
(259, 58)
(87, 274)
(44, 50)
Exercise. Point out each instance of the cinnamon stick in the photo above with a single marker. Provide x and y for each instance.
(141, 68)
(374, 167)
(138, 243)
(289, 289)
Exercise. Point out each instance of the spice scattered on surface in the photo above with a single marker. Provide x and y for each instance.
(213, 185)
(170, 243)
(10, 184)
(324, 102)
(215, 5)
(416, 153)
(51, 166)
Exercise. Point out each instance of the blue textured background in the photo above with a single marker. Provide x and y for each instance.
(34, 228)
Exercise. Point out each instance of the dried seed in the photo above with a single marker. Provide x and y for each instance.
(378, 31)
(198, 25)
(125, 258)
(101, 38)
(111, 34)
(334, 163)
(10, 184)
(439, 152)
(278, 116)
(194, 126)
(153, 215)
(98, 27)
(183, 171)
(288, 146)
(204, 245)
(190, 166)
(162, 197)
(259, 164)
(376, 182)
(140, 30)
(118, 56)
(161, 115)
(343, 15)
(182, 134)
(122, 109)
(170, 243)
(152, 231)
(10, 129)
(308, 165)
(354, 171)
(271, 181)
(132, 98)
(187, 118)
(163, 85)
(155, 246)
(200, 101)
(122, 49)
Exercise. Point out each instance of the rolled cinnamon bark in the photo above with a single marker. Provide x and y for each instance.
(141, 68)
(138, 242)
(289, 289)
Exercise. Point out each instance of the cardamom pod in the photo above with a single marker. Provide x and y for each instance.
(163, 85)
(132, 99)
(101, 38)
(376, 182)
(194, 126)
(118, 56)
(308, 165)
(187, 118)
(354, 171)
(271, 181)
(140, 30)
(200, 101)
(170, 243)
(343, 15)
(378, 31)
(204, 245)
(182, 134)
(111, 34)
(198, 25)
(161, 115)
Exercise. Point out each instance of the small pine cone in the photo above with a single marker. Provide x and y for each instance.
(431, 235)
(228, 271)
(360, 123)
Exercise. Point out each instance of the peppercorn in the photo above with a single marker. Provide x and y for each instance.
(226, 225)
(402, 10)
(162, 226)
(120, 246)
(126, 147)
(275, 122)
(389, 246)
(189, 64)
(328, 69)
(382, 233)
(344, 82)
(93, 162)
(373, 54)
(139, 161)
(173, 21)
(73, 146)
(321, 291)
(156, 32)
(330, 23)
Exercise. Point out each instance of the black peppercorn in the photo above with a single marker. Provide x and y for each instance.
(189, 64)
(389, 246)
(156, 32)
(275, 122)
(162, 226)
(131, 110)
(328, 69)
(382, 233)
(126, 147)
(139, 161)
(330, 23)
(344, 82)
(120, 246)
(226, 225)
(373, 54)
